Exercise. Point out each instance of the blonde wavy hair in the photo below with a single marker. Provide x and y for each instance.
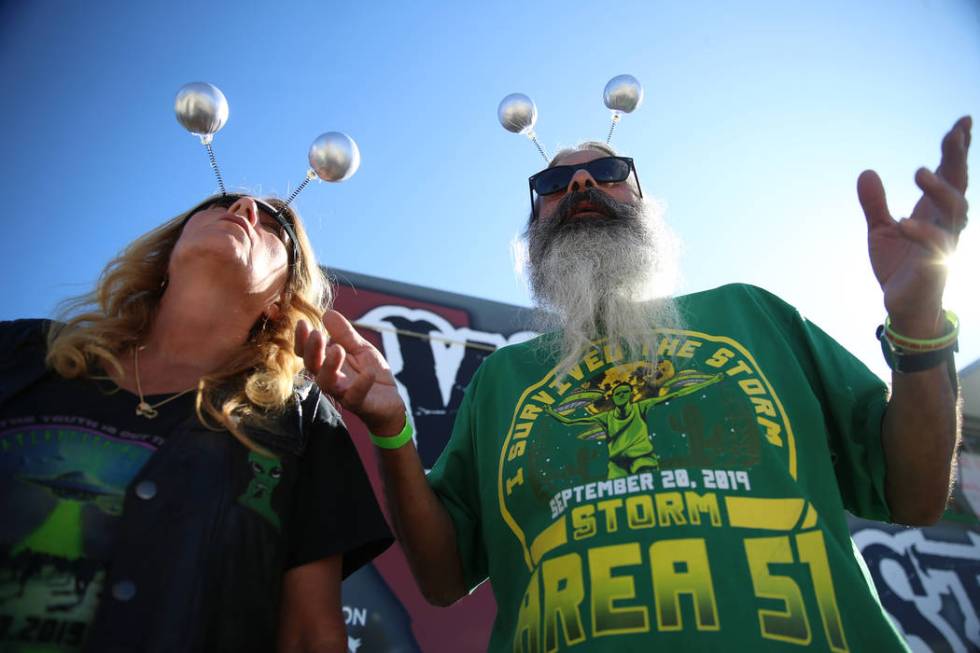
(97, 327)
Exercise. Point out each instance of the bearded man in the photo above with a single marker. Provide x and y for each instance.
(673, 474)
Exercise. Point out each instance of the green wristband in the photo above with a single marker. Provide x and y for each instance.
(394, 441)
(926, 344)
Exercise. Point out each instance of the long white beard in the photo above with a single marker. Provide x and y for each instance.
(604, 278)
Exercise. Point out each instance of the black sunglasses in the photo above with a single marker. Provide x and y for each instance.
(227, 201)
(606, 170)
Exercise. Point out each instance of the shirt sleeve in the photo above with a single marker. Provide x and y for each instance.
(455, 480)
(23, 344)
(854, 400)
(334, 510)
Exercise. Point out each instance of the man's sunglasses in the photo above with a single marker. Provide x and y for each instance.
(286, 232)
(607, 170)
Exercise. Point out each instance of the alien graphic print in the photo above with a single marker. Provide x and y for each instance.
(694, 504)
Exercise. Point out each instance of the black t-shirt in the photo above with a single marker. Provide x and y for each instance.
(69, 449)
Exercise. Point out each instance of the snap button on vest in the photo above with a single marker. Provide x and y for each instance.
(124, 590)
(146, 490)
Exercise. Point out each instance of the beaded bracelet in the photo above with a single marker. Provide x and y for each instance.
(927, 344)
(394, 441)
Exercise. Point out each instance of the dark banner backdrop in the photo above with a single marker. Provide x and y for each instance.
(928, 579)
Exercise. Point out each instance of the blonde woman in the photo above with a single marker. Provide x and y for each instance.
(171, 484)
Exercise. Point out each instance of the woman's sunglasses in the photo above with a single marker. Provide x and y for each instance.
(607, 170)
(286, 233)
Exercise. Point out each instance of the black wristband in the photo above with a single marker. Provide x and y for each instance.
(905, 362)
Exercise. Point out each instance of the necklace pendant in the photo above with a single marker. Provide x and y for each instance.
(144, 409)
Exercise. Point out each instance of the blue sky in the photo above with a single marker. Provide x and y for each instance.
(757, 119)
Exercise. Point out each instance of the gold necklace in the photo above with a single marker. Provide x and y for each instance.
(143, 409)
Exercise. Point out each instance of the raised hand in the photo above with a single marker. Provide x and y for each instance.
(907, 255)
(353, 372)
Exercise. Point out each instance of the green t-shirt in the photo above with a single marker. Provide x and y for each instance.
(697, 506)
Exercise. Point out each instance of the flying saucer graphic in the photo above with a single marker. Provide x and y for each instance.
(60, 534)
(74, 486)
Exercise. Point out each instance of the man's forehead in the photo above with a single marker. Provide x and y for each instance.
(579, 156)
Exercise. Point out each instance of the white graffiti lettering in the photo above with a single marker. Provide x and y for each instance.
(931, 588)
(448, 346)
(355, 616)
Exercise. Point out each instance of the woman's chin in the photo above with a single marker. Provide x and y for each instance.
(211, 262)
